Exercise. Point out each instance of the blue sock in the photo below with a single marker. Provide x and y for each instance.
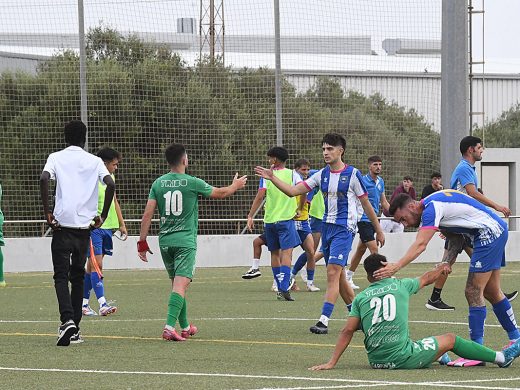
(286, 281)
(300, 263)
(87, 286)
(97, 285)
(349, 307)
(506, 317)
(327, 309)
(276, 272)
(310, 275)
(476, 319)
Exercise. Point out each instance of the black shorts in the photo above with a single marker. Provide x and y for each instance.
(468, 242)
(366, 231)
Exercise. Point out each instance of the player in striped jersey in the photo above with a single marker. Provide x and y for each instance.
(452, 211)
(341, 186)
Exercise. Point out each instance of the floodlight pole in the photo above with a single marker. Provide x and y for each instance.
(454, 83)
(82, 68)
(278, 74)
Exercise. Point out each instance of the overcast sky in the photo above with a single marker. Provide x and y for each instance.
(379, 19)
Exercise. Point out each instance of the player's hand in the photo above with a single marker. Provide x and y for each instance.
(124, 233)
(380, 238)
(52, 222)
(387, 271)
(250, 223)
(239, 182)
(298, 214)
(320, 367)
(97, 222)
(504, 210)
(142, 249)
(264, 172)
(445, 268)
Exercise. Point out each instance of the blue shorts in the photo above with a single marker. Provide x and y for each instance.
(316, 224)
(281, 235)
(489, 257)
(336, 243)
(102, 241)
(303, 228)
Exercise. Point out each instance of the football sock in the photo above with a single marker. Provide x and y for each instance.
(175, 304)
(310, 276)
(506, 317)
(99, 288)
(1, 265)
(476, 319)
(87, 286)
(276, 274)
(285, 272)
(436, 294)
(326, 312)
(183, 316)
(350, 274)
(300, 263)
(256, 264)
(473, 351)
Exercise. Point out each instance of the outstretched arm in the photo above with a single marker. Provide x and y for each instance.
(343, 342)
(224, 192)
(287, 189)
(473, 192)
(431, 276)
(421, 241)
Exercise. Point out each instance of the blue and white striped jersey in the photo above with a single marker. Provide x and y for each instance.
(456, 212)
(340, 191)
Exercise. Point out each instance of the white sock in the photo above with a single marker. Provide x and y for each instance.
(169, 327)
(324, 320)
(499, 358)
(350, 274)
(102, 301)
(85, 302)
(256, 263)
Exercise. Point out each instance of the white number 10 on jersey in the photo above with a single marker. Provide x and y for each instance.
(173, 203)
(388, 305)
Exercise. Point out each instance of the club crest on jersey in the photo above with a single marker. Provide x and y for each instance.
(343, 179)
(326, 179)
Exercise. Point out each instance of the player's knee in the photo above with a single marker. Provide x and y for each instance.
(450, 339)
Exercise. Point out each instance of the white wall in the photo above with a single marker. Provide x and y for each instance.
(34, 254)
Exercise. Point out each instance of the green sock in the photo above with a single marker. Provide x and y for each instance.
(174, 308)
(183, 316)
(1, 266)
(474, 351)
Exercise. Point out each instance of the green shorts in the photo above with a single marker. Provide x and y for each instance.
(179, 261)
(2, 243)
(417, 354)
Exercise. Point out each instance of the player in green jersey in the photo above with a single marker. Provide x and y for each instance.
(381, 311)
(176, 195)
(2, 243)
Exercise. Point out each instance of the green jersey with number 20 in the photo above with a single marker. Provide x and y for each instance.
(178, 203)
(383, 310)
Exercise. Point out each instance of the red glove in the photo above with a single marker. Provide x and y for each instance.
(142, 246)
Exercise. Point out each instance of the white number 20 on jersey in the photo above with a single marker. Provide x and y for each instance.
(173, 203)
(388, 306)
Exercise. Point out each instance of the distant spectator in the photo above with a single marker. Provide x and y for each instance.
(435, 186)
(406, 187)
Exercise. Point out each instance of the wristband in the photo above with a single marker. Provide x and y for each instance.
(142, 246)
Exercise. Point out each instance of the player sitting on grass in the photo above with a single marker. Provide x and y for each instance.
(176, 195)
(102, 240)
(382, 312)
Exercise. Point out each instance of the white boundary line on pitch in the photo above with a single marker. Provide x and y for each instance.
(345, 386)
(235, 319)
(364, 382)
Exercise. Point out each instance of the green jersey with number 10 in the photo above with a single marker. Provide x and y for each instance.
(178, 203)
(383, 310)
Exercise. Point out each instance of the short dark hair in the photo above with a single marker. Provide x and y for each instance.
(278, 152)
(408, 178)
(399, 202)
(301, 162)
(435, 174)
(174, 154)
(373, 159)
(335, 139)
(75, 133)
(108, 154)
(468, 142)
(373, 262)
